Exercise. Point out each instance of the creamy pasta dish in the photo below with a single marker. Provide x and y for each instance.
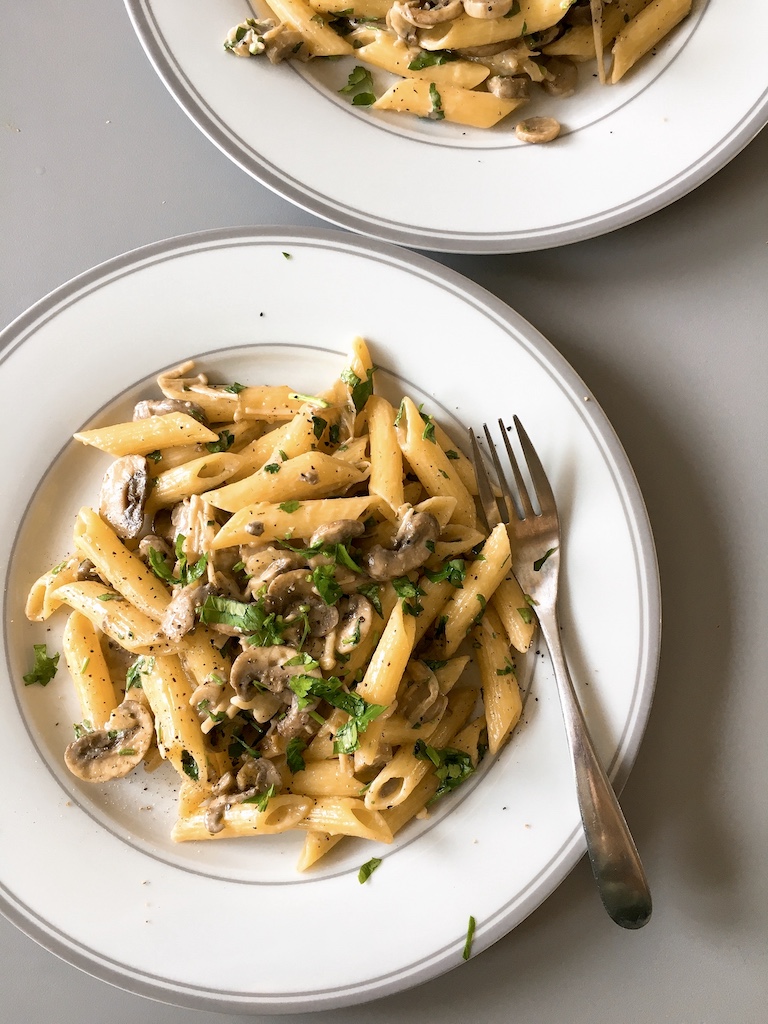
(279, 594)
(472, 62)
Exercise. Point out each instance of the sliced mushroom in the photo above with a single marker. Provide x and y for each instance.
(420, 700)
(426, 13)
(509, 87)
(164, 406)
(404, 29)
(265, 668)
(337, 532)
(489, 9)
(282, 43)
(180, 615)
(159, 544)
(293, 595)
(355, 624)
(123, 496)
(256, 777)
(412, 548)
(115, 750)
(564, 78)
(537, 129)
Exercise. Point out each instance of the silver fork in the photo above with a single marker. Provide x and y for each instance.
(536, 544)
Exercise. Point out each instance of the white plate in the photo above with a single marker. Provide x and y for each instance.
(626, 151)
(90, 872)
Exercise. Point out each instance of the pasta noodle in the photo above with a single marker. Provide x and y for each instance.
(472, 62)
(291, 612)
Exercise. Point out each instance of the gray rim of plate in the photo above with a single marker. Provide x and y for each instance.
(298, 193)
(432, 965)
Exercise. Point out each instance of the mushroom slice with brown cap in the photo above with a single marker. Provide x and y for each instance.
(123, 496)
(355, 624)
(293, 594)
(489, 9)
(266, 668)
(163, 406)
(413, 546)
(256, 777)
(337, 532)
(115, 750)
(537, 129)
(427, 13)
(509, 87)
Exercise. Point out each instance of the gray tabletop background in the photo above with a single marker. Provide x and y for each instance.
(667, 322)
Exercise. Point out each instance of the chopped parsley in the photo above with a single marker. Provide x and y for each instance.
(272, 467)
(515, 9)
(261, 799)
(367, 869)
(325, 584)
(156, 455)
(452, 767)
(526, 615)
(508, 670)
(190, 766)
(400, 413)
(454, 571)
(430, 59)
(361, 389)
(360, 87)
(234, 388)
(187, 573)
(44, 668)
(289, 506)
(451, 454)
(470, 935)
(409, 593)
(251, 619)
(372, 592)
(140, 667)
(109, 597)
(318, 426)
(287, 255)
(436, 113)
(293, 754)
(225, 442)
(428, 434)
(360, 712)
(540, 561)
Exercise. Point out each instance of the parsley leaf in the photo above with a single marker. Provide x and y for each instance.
(187, 574)
(289, 506)
(361, 389)
(325, 584)
(318, 426)
(261, 799)
(272, 467)
(409, 593)
(140, 667)
(436, 113)
(452, 767)
(235, 388)
(470, 935)
(190, 766)
(372, 592)
(359, 78)
(451, 454)
(526, 615)
(367, 869)
(251, 619)
(430, 59)
(454, 571)
(540, 561)
(44, 668)
(293, 754)
(225, 442)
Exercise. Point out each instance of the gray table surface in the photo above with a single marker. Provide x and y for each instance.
(667, 321)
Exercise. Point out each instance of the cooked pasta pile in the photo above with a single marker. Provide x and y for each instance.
(473, 62)
(274, 595)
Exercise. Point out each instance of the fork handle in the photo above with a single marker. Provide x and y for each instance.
(612, 852)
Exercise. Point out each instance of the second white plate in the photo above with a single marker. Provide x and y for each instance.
(625, 152)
